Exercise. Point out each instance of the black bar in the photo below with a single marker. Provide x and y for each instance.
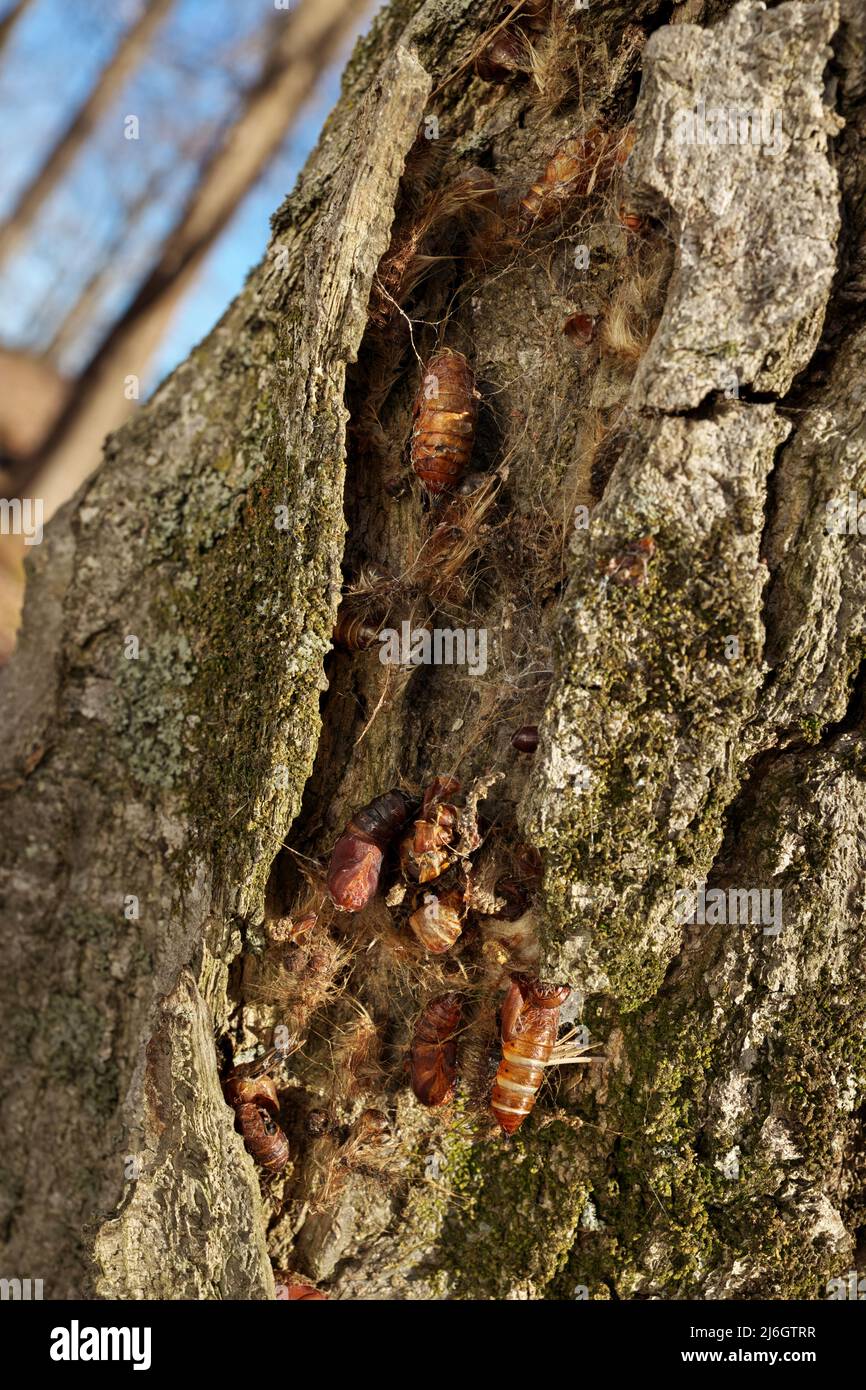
(640, 1335)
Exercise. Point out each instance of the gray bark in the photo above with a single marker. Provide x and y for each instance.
(716, 1149)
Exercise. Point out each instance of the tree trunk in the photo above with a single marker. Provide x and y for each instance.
(10, 19)
(109, 270)
(305, 42)
(692, 655)
(108, 85)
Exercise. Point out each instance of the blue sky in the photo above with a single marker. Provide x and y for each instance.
(47, 69)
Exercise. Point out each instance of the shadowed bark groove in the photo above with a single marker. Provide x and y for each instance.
(714, 1149)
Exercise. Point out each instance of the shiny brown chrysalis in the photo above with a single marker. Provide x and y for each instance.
(631, 220)
(433, 1056)
(445, 412)
(530, 1023)
(439, 921)
(508, 50)
(425, 852)
(505, 54)
(575, 167)
(254, 1101)
(358, 855)
(353, 632)
(525, 740)
(580, 329)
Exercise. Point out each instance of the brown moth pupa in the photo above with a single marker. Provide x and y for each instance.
(576, 166)
(433, 1055)
(357, 857)
(353, 632)
(525, 740)
(530, 1023)
(438, 922)
(256, 1105)
(445, 413)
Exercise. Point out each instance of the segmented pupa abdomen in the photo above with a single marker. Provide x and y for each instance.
(446, 409)
(433, 1057)
(530, 1023)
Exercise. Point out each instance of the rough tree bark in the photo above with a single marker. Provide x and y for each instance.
(703, 723)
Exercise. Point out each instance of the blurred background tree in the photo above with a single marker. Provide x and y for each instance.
(144, 147)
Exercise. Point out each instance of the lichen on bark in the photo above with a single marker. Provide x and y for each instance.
(713, 1150)
(165, 769)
